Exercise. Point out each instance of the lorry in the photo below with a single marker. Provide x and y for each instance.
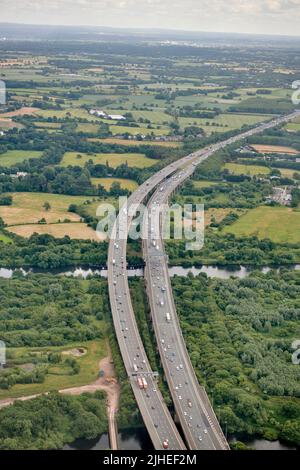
(145, 385)
(168, 317)
(140, 383)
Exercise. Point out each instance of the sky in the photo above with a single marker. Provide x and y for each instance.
(242, 16)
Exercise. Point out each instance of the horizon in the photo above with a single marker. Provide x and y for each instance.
(257, 17)
(149, 29)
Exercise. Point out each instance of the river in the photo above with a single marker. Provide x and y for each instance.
(138, 439)
(129, 439)
(211, 271)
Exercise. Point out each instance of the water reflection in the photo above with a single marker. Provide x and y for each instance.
(211, 271)
(129, 439)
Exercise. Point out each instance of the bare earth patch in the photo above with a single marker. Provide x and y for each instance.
(77, 352)
(275, 149)
(20, 112)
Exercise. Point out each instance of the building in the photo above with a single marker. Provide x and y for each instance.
(116, 117)
(102, 114)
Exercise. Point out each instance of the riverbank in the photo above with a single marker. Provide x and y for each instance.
(212, 271)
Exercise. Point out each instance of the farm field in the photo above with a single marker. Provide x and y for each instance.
(27, 208)
(288, 173)
(223, 122)
(13, 157)
(131, 142)
(219, 214)
(20, 112)
(63, 113)
(107, 182)
(280, 224)
(137, 130)
(204, 184)
(47, 125)
(293, 127)
(114, 159)
(274, 149)
(4, 238)
(59, 378)
(77, 231)
(251, 170)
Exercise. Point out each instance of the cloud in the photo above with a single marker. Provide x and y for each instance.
(271, 16)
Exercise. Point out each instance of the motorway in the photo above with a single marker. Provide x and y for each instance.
(196, 416)
(155, 414)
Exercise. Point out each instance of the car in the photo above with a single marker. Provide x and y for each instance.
(180, 397)
(177, 368)
(181, 366)
(185, 413)
(155, 425)
(154, 390)
(200, 438)
(205, 431)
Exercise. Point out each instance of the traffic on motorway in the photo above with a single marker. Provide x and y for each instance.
(197, 419)
(200, 420)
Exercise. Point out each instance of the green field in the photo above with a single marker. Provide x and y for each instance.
(5, 238)
(251, 170)
(58, 378)
(47, 125)
(13, 157)
(131, 142)
(223, 122)
(137, 130)
(27, 208)
(203, 184)
(280, 224)
(114, 159)
(288, 173)
(107, 182)
(88, 127)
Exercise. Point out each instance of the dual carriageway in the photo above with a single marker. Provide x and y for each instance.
(199, 423)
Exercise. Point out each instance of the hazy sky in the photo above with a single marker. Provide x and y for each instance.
(248, 16)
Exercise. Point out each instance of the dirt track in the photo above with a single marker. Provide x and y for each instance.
(107, 383)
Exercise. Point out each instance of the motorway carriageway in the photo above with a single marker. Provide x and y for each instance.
(155, 414)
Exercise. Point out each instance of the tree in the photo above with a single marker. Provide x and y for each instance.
(47, 206)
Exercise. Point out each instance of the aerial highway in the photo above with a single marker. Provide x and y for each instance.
(197, 418)
(156, 416)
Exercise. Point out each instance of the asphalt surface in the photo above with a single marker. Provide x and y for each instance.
(156, 416)
(197, 418)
